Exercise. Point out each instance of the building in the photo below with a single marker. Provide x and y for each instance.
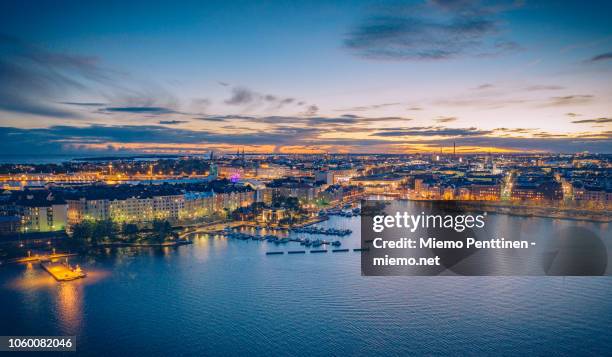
(42, 214)
(83, 209)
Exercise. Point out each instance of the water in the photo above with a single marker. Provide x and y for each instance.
(35, 159)
(226, 297)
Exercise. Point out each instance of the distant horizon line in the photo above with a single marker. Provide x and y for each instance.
(174, 155)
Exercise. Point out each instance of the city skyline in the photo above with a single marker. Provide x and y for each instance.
(279, 77)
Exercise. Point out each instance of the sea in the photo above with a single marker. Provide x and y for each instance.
(227, 297)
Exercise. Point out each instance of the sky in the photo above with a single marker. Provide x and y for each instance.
(102, 77)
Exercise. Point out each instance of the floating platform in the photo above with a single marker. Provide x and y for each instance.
(296, 252)
(274, 253)
(340, 250)
(319, 251)
(63, 272)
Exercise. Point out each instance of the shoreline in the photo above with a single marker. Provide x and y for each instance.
(540, 212)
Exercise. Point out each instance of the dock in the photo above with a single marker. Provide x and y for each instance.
(37, 257)
(63, 272)
(314, 251)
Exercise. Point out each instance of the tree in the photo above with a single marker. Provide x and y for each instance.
(82, 231)
(130, 230)
(161, 230)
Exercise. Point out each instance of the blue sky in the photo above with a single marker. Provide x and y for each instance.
(284, 76)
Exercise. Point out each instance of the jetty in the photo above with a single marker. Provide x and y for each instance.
(41, 257)
(323, 231)
(63, 271)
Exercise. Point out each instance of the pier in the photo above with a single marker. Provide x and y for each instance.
(314, 251)
(63, 272)
(39, 257)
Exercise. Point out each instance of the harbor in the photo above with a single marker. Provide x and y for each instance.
(313, 251)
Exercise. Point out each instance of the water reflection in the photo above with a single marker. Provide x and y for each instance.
(69, 307)
(37, 289)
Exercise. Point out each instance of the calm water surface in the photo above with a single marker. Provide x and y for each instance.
(226, 297)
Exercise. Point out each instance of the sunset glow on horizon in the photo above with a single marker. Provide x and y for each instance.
(318, 77)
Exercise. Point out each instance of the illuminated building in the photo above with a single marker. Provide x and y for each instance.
(380, 184)
(41, 217)
(83, 209)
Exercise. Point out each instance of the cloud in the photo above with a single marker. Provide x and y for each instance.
(594, 121)
(427, 131)
(77, 140)
(543, 87)
(545, 144)
(222, 118)
(481, 102)
(141, 110)
(311, 110)
(65, 137)
(484, 86)
(242, 96)
(568, 100)
(84, 104)
(430, 31)
(367, 107)
(515, 130)
(573, 115)
(304, 120)
(601, 57)
(172, 122)
(38, 82)
(445, 119)
(34, 80)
